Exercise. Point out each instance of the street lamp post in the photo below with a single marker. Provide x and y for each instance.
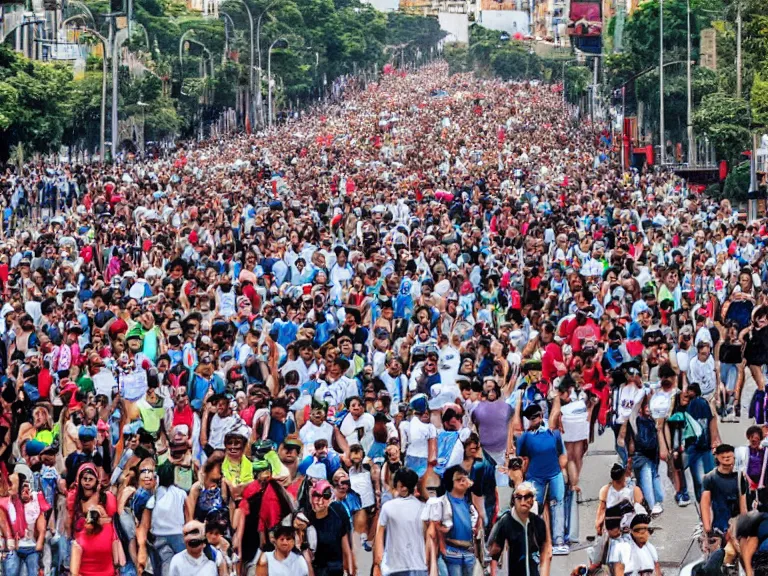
(283, 43)
(250, 60)
(226, 35)
(202, 65)
(661, 83)
(689, 117)
(115, 44)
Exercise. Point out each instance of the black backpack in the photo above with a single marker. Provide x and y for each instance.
(646, 437)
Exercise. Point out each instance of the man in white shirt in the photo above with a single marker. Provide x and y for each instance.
(198, 558)
(399, 546)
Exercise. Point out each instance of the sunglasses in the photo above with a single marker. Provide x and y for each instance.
(325, 495)
(528, 497)
(195, 543)
(147, 471)
(345, 483)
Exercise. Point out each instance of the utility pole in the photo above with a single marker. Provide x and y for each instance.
(689, 118)
(738, 50)
(662, 148)
(113, 35)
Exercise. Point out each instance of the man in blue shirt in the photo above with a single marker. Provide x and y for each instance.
(542, 450)
(699, 449)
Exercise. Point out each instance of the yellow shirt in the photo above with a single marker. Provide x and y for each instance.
(237, 477)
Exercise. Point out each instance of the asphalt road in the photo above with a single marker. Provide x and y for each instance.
(676, 525)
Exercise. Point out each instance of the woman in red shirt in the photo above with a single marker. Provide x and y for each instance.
(96, 550)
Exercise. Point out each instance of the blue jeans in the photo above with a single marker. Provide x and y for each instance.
(620, 450)
(464, 568)
(554, 490)
(647, 474)
(728, 375)
(26, 554)
(700, 462)
(163, 550)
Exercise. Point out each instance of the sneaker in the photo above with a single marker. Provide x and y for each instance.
(561, 550)
(367, 546)
(682, 500)
(657, 509)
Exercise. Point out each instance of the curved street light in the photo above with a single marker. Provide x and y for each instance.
(250, 60)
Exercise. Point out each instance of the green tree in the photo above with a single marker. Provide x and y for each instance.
(577, 79)
(35, 101)
(758, 100)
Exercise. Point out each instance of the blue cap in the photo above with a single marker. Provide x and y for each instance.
(34, 447)
(419, 403)
(86, 433)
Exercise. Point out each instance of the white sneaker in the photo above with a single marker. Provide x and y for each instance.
(657, 509)
(561, 550)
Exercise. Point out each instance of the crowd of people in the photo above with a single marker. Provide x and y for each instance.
(392, 326)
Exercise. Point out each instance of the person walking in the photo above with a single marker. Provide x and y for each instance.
(529, 544)
(399, 547)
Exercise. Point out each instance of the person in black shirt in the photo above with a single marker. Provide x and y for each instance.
(333, 555)
(525, 534)
(724, 492)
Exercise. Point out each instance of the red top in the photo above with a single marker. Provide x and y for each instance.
(270, 513)
(96, 559)
(184, 416)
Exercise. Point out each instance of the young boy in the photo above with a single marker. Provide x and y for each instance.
(282, 561)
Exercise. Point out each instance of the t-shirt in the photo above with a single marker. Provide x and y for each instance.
(543, 449)
(293, 565)
(404, 547)
(524, 541)
(629, 395)
(492, 419)
(724, 491)
(330, 531)
(182, 564)
(552, 353)
(417, 436)
(637, 561)
(309, 433)
(168, 513)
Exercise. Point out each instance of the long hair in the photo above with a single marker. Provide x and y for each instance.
(77, 496)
